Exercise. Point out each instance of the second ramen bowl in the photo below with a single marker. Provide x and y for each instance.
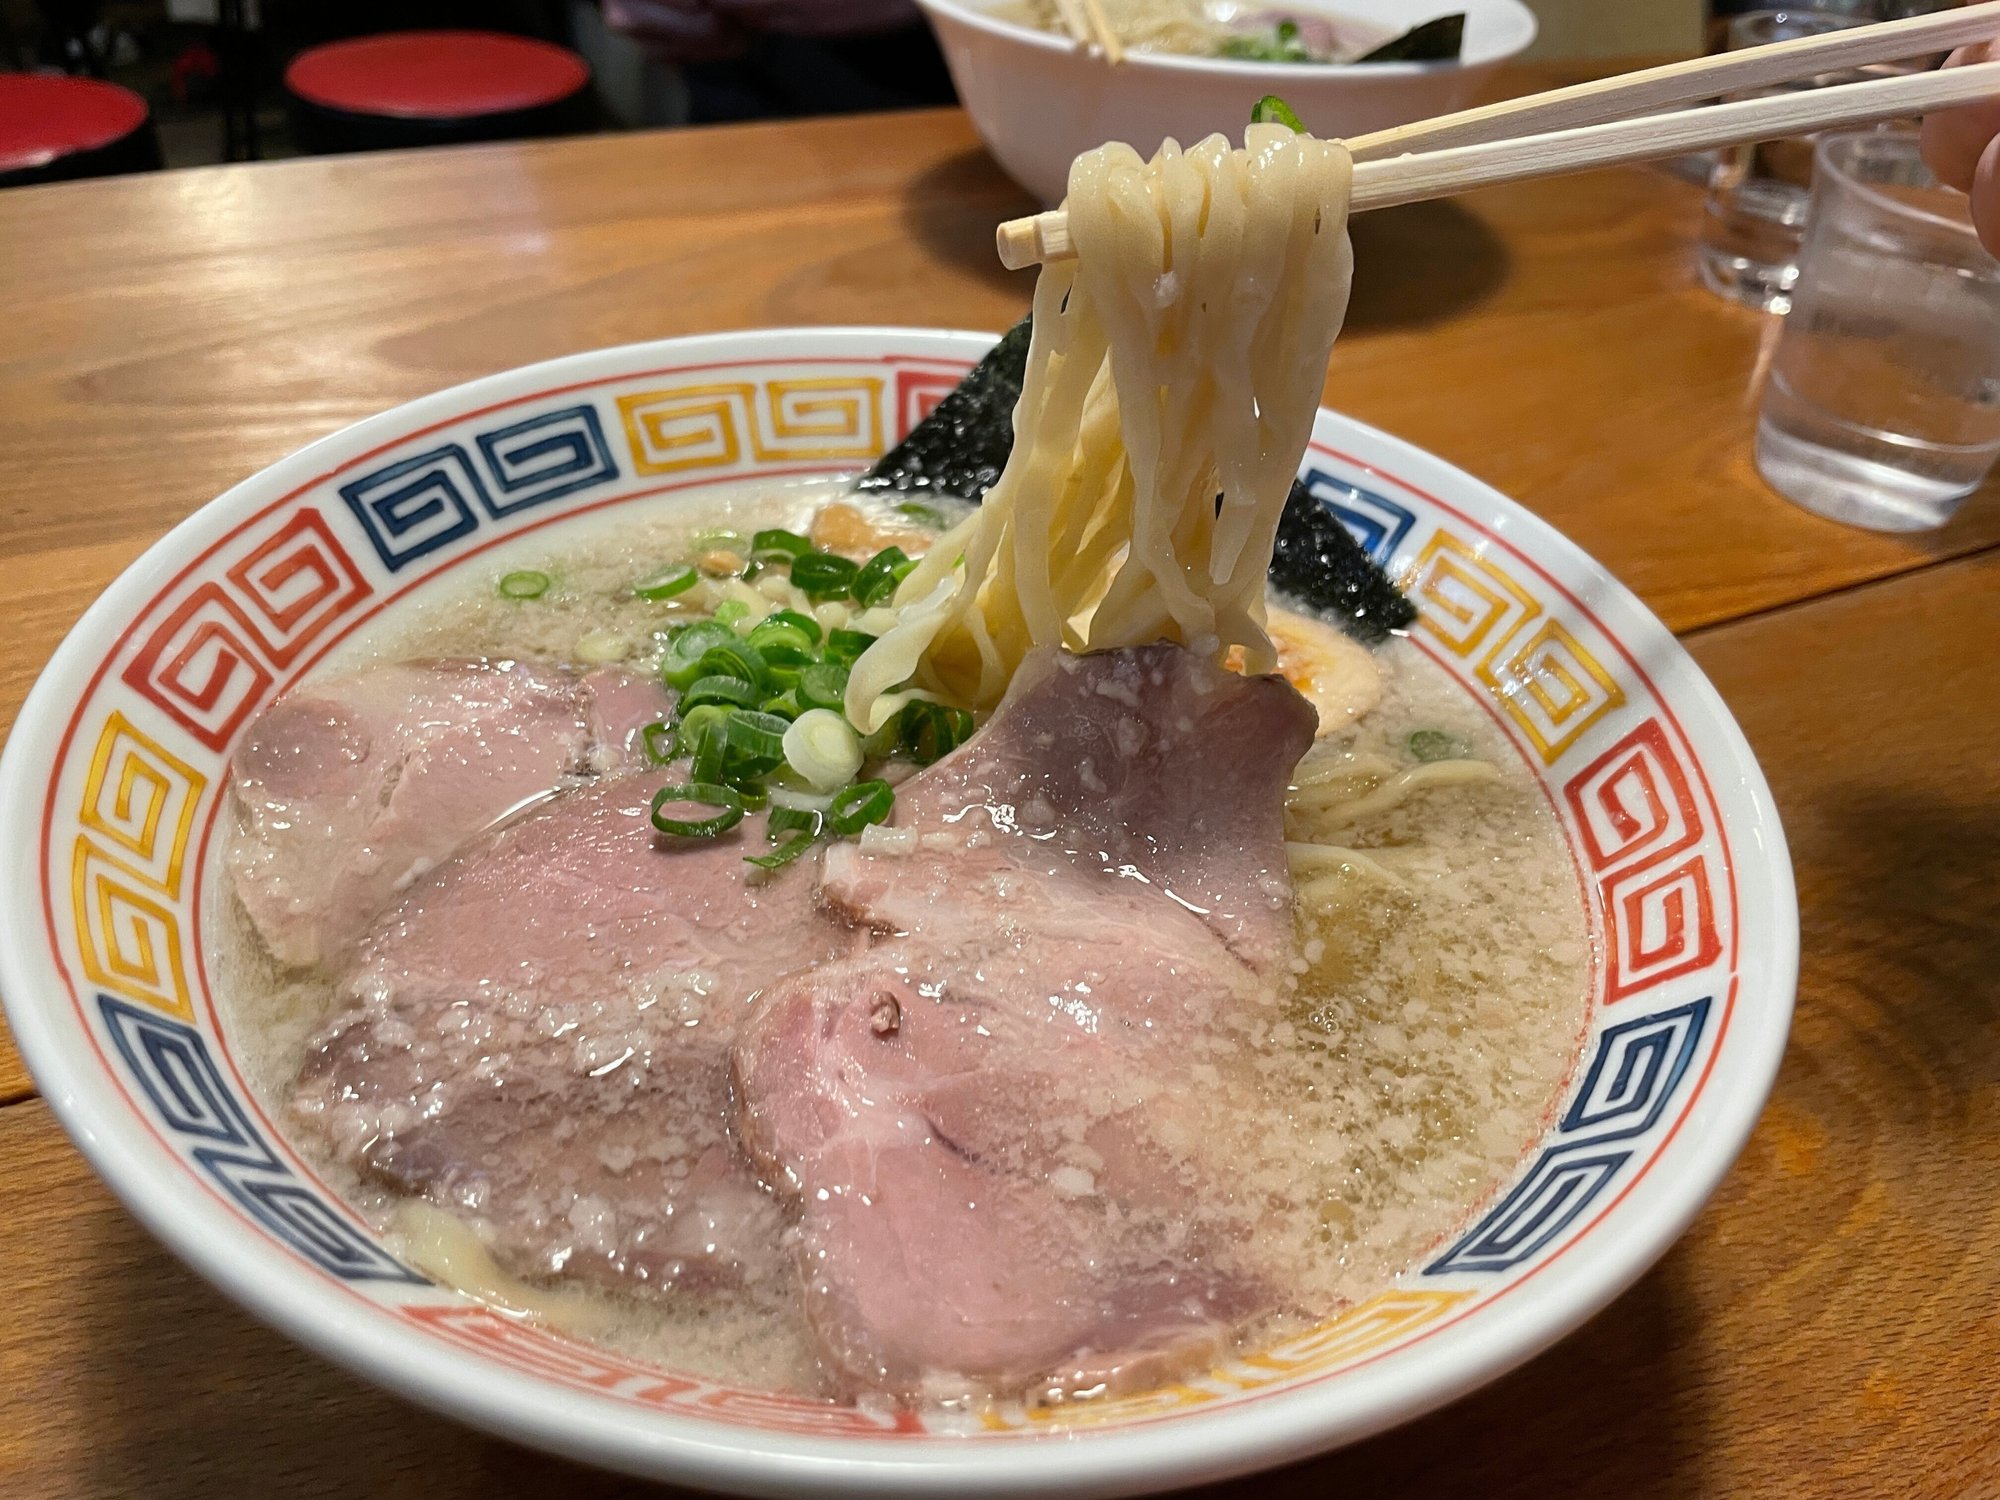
(1039, 100)
(117, 768)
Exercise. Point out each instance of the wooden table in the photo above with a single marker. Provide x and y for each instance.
(1827, 1328)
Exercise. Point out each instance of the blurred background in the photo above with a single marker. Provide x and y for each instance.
(213, 71)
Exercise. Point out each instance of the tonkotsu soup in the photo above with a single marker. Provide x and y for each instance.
(866, 944)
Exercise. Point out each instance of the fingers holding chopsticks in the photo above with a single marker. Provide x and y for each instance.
(1963, 147)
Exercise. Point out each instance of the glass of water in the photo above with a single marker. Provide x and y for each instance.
(1882, 407)
(1757, 193)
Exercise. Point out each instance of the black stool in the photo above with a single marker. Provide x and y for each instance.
(435, 88)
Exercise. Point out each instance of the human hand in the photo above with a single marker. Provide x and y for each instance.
(697, 30)
(1963, 147)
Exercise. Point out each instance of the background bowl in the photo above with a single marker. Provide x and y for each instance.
(113, 778)
(1039, 100)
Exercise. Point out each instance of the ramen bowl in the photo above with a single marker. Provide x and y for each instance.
(111, 785)
(1039, 100)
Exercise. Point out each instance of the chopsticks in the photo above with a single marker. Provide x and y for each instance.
(1088, 23)
(1616, 140)
(1627, 94)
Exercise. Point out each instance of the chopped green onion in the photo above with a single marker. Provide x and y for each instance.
(733, 658)
(778, 545)
(797, 621)
(732, 692)
(806, 820)
(661, 743)
(666, 583)
(846, 646)
(753, 794)
(782, 642)
(1435, 744)
(823, 686)
(526, 584)
(686, 648)
(855, 807)
(822, 747)
(728, 805)
(756, 743)
(931, 731)
(784, 854)
(729, 611)
(785, 705)
(821, 575)
(720, 541)
(923, 515)
(1271, 110)
(708, 745)
(877, 580)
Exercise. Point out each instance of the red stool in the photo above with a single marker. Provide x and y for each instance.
(434, 88)
(53, 128)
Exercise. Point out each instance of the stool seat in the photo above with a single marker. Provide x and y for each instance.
(54, 127)
(411, 88)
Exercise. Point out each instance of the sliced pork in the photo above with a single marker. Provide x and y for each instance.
(1009, 1122)
(349, 789)
(537, 1036)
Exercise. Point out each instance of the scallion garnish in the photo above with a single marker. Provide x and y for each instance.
(877, 580)
(846, 646)
(855, 807)
(666, 583)
(731, 692)
(797, 621)
(778, 545)
(1271, 110)
(756, 743)
(782, 642)
(686, 647)
(726, 802)
(821, 575)
(526, 584)
(661, 742)
(733, 658)
(931, 731)
(1434, 744)
(823, 686)
(923, 515)
(729, 611)
(822, 747)
(786, 705)
(806, 820)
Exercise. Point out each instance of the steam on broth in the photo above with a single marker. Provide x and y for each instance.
(897, 949)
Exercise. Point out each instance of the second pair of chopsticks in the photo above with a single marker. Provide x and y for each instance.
(1592, 125)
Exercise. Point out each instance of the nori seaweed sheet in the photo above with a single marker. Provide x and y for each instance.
(961, 447)
(1318, 561)
(1435, 41)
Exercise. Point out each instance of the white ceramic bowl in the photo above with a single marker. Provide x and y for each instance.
(1039, 100)
(113, 777)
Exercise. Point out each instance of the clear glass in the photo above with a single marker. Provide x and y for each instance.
(1882, 406)
(1757, 194)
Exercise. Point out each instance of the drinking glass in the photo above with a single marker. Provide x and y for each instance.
(1757, 193)
(1882, 407)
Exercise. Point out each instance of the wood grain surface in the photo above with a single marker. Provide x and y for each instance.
(1828, 1326)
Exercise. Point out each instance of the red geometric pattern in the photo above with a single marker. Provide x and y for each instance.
(917, 395)
(212, 660)
(1637, 811)
(526, 1348)
(1657, 924)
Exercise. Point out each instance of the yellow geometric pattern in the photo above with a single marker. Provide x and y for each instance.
(138, 812)
(1463, 599)
(1552, 688)
(712, 425)
(1382, 1320)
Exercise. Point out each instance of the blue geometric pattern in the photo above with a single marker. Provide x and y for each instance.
(1638, 1066)
(1378, 523)
(1636, 1070)
(555, 453)
(171, 1065)
(417, 504)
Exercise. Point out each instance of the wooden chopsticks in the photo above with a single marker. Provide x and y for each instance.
(1612, 138)
(1088, 23)
(1627, 94)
